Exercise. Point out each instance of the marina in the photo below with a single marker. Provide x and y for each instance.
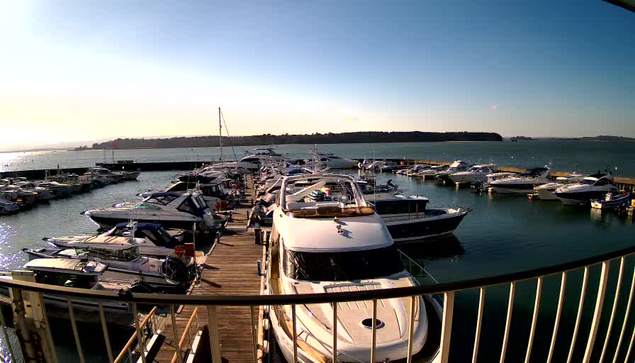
(235, 265)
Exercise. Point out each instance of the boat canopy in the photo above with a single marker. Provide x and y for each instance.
(66, 266)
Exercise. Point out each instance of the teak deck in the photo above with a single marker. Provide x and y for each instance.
(230, 269)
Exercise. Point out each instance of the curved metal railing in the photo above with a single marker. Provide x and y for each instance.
(447, 290)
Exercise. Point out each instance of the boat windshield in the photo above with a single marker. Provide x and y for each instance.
(125, 255)
(342, 266)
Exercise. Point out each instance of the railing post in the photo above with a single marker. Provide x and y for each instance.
(599, 302)
(254, 340)
(104, 329)
(140, 340)
(585, 281)
(411, 327)
(334, 358)
(295, 334)
(78, 343)
(446, 329)
(534, 319)
(214, 337)
(374, 336)
(556, 324)
(175, 332)
(626, 315)
(6, 337)
(615, 301)
(479, 320)
(508, 320)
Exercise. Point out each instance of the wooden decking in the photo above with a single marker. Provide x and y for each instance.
(230, 269)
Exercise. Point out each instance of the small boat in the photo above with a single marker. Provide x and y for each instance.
(24, 198)
(612, 201)
(151, 238)
(59, 190)
(333, 241)
(172, 210)
(129, 175)
(333, 161)
(106, 175)
(408, 218)
(591, 187)
(42, 194)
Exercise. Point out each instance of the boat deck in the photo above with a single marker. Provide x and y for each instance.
(230, 269)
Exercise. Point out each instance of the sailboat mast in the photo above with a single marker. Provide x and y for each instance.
(220, 135)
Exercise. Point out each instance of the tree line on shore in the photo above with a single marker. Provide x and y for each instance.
(316, 138)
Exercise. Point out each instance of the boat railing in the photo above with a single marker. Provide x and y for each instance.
(584, 336)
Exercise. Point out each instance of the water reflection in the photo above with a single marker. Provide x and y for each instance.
(448, 247)
(9, 256)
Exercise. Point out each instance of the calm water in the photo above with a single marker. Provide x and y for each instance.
(563, 155)
(502, 234)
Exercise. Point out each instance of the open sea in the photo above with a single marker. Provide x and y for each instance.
(502, 234)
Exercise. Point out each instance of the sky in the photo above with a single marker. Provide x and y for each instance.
(95, 70)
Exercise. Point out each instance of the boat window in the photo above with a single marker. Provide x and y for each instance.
(342, 266)
(68, 280)
(178, 187)
(400, 207)
(162, 200)
(602, 181)
(126, 255)
(251, 160)
(186, 207)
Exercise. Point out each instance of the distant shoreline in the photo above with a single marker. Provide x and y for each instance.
(286, 139)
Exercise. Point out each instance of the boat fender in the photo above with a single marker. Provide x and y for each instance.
(265, 346)
(265, 324)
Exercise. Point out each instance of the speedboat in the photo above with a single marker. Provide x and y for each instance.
(456, 167)
(333, 161)
(59, 190)
(326, 238)
(83, 274)
(475, 174)
(172, 210)
(523, 183)
(591, 187)
(252, 161)
(548, 191)
(408, 218)
(433, 171)
(151, 238)
(106, 174)
(172, 274)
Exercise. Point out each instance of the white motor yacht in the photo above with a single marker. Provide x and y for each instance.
(475, 174)
(591, 187)
(325, 239)
(456, 167)
(106, 174)
(548, 191)
(172, 210)
(333, 161)
(151, 238)
(172, 274)
(523, 183)
(252, 161)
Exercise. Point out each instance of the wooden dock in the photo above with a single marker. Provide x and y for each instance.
(230, 269)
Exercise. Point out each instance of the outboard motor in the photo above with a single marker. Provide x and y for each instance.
(175, 271)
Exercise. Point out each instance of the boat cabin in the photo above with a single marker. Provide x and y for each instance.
(188, 203)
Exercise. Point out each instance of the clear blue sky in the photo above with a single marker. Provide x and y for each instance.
(85, 70)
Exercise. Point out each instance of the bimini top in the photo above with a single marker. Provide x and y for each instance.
(322, 195)
(105, 242)
(66, 265)
(140, 226)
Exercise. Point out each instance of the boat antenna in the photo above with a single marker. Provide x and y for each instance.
(220, 134)
(229, 138)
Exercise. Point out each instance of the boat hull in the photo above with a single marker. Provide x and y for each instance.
(579, 198)
(403, 229)
(546, 194)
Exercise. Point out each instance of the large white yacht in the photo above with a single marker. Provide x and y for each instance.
(325, 239)
(475, 174)
(456, 167)
(252, 161)
(591, 187)
(548, 191)
(523, 183)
